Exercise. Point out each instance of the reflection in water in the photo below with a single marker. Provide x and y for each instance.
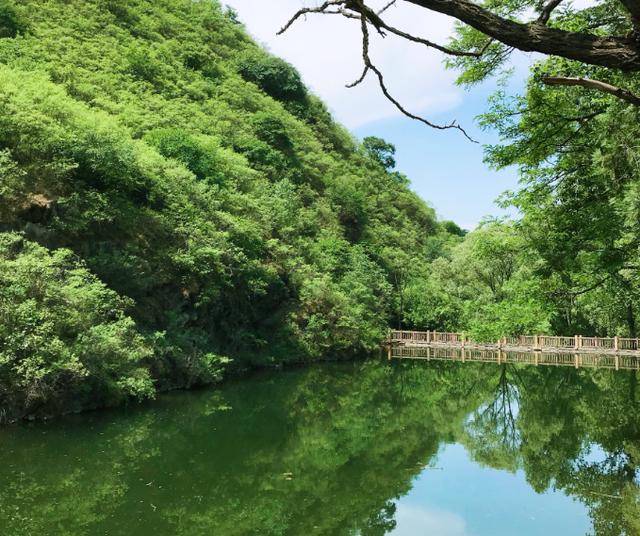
(413, 520)
(337, 449)
(490, 355)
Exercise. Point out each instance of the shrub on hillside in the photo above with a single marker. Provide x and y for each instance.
(274, 76)
(65, 340)
(11, 23)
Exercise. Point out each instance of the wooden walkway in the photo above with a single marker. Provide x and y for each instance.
(597, 352)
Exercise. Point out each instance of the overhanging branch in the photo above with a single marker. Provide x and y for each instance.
(598, 85)
(357, 9)
(617, 52)
(614, 52)
(369, 66)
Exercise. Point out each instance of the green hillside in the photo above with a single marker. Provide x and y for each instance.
(172, 196)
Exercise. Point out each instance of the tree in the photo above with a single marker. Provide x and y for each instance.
(381, 151)
(65, 339)
(11, 22)
(486, 286)
(572, 137)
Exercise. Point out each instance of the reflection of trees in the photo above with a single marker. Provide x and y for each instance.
(381, 522)
(609, 484)
(578, 431)
(324, 450)
(491, 433)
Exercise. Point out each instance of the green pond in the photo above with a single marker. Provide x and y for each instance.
(362, 448)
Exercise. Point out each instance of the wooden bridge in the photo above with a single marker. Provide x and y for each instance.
(526, 343)
(578, 351)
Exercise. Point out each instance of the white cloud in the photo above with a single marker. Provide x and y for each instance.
(416, 521)
(327, 52)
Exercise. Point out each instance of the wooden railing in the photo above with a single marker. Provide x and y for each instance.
(556, 342)
(525, 342)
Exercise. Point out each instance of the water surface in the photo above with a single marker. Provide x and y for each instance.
(370, 448)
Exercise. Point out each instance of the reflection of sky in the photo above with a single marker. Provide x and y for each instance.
(457, 497)
(414, 520)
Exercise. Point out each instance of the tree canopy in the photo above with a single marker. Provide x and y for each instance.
(570, 136)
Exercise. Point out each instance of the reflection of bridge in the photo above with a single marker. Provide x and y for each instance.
(614, 352)
(558, 359)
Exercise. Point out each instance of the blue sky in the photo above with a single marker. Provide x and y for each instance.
(445, 169)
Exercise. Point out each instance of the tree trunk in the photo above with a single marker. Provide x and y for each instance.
(631, 321)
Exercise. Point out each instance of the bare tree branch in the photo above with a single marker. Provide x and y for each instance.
(305, 10)
(377, 22)
(598, 85)
(357, 9)
(389, 4)
(547, 9)
(360, 79)
(617, 52)
(369, 66)
(381, 24)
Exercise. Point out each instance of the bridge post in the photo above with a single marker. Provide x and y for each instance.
(428, 336)
(615, 343)
(576, 342)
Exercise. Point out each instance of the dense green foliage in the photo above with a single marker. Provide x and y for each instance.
(195, 180)
(485, 285)
(198, 183)
(580, 205)
(64, 336)
(570, 262)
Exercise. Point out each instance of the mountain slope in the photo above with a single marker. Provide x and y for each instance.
(195, 178)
